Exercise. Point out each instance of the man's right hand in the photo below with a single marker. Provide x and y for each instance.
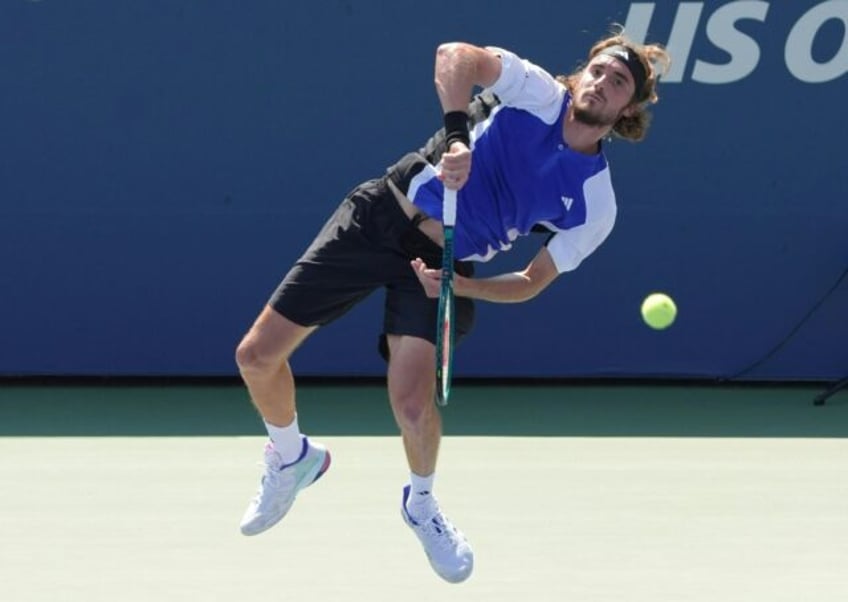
(456, 166)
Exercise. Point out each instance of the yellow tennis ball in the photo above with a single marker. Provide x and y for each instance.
(659, 311)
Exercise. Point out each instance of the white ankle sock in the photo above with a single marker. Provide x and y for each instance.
(286, 440)
(421, 502)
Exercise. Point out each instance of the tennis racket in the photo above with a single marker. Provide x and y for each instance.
(445, 327)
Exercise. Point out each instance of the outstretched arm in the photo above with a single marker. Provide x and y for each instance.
(513, 287)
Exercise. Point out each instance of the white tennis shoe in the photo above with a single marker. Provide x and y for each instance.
(449, 552)
(281, 483)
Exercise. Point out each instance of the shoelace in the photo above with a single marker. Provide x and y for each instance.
(272, 478)
(447, 536)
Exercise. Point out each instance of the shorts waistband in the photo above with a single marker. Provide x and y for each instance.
(429, 227)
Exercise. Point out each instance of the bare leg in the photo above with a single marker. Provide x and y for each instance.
(262, 358)
(412, 385)
(411, 389)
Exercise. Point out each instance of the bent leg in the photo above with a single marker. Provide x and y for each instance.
(263, 361)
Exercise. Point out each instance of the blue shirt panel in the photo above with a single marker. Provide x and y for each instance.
(522, 174)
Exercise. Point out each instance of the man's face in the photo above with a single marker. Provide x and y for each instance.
(603, 92)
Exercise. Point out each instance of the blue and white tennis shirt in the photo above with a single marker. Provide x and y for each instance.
(523, 174)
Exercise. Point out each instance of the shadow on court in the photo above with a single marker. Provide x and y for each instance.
(476, 409)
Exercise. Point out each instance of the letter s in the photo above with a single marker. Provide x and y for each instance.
(743, 50)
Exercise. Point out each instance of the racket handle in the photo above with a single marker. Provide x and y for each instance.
(449, 207)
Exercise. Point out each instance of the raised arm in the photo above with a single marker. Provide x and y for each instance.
(459, 68)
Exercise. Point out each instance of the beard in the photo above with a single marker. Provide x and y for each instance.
(594, 118)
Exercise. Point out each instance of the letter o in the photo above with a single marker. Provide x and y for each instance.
(799, 44)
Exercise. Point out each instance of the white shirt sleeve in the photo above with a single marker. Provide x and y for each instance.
(569, 248)
(527, 86)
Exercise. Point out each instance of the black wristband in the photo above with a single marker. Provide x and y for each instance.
(456, 128)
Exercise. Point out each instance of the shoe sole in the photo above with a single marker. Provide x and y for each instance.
(324, 468)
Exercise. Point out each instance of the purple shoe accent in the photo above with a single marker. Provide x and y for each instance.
(324, 467)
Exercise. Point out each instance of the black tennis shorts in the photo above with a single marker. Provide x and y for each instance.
(367, 244)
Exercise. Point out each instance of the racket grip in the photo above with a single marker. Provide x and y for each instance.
(449, 207)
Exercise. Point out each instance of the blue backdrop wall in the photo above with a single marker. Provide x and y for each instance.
(164, 162)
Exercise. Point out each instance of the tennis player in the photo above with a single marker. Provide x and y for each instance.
(524, 153)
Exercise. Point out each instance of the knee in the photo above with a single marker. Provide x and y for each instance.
(254, 358)
(412, 408)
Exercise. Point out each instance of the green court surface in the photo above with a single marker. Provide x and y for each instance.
(351, 409)
(592, 493)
